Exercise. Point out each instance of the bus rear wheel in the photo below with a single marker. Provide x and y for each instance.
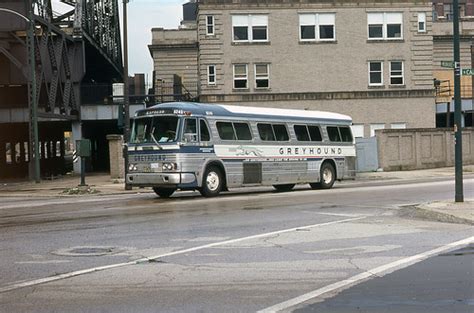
(212, 182)
(285, 187)
(327, 177)
(164, 192)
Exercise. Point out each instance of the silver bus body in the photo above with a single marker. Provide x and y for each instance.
(190, 158)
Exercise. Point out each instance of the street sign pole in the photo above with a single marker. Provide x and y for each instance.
(126, 99)
(459, 196)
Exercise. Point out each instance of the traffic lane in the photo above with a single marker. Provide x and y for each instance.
(444, 283)
(36, 251)
(139, 228)
(76, 208)
(243, 276)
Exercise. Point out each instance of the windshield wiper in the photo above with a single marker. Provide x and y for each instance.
(154, 139)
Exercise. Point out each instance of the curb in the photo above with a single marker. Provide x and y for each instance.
(420, 211)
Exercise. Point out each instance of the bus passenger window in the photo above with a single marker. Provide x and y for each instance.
(315, 133)
(243, 131)
(280, 132)
(301, 133)
(225, 130)
(265, 131)
(190, 130)
(333, 133)
(346, 134)
(205, 136)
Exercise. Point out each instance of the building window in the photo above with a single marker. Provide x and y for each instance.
(374, 127)
(250, 28)
(211, 74)
(209, 25)
(398, 125)
(385, 25)
(375, 73)
(262, 76)
(396, 73)
(357, 130)
(315, 27)
(421, 22)
(240, 76)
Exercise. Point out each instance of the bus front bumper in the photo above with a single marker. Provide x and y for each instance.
(159, 179)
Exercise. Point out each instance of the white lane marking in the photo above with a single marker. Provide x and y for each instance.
(147, 259)
(384, 269)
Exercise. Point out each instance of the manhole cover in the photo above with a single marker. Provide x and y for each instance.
(87, 251)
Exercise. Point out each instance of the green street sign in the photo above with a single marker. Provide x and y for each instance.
(467, 72)
(449, 64)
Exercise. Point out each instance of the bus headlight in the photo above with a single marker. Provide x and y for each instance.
(132, 167)
(167, 166)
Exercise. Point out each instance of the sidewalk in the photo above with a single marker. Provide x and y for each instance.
(102, 184)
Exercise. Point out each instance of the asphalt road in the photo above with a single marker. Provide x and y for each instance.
(241, 252)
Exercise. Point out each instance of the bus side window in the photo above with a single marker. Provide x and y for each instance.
(315, 133)
(204, 134)
(301, 133)
(265, 131)
(346, 134)
(333, 133)
(190, 130)
(281, 133)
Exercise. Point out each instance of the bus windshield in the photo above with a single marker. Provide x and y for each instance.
(157, 128)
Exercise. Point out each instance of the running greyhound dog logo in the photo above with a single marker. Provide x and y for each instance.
(248, 151)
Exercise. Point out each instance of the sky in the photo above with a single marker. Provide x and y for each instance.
(143, 15)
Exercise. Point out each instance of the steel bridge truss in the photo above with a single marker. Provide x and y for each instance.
(59, 44)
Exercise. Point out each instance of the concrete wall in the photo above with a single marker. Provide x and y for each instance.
(408, 149)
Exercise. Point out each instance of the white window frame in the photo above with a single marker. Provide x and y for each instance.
(246, 77)
(398, 125)
(381, 73)
(384, 19)
(252, 20)
(211, 77)
(374, 127)
(212, 24)
(421, 22)
(317, 23)
(357, 130)
(267, 77)
(402, 76)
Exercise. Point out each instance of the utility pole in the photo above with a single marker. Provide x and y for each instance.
(126, 98)
(459, 194)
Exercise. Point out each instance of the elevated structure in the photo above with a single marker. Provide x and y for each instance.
(76, 44)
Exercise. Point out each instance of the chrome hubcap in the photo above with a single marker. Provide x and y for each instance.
(212, 181)
(327, 176)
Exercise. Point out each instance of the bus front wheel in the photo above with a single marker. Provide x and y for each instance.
(163, 192)
(212, 182)
(327, 177)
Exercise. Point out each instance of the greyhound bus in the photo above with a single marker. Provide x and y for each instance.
(212, 147)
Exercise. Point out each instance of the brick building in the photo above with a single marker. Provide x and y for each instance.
(369, 59)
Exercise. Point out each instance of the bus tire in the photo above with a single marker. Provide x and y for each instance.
(285, 187)
(327, 177)
(212, 182)
(164, 192)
